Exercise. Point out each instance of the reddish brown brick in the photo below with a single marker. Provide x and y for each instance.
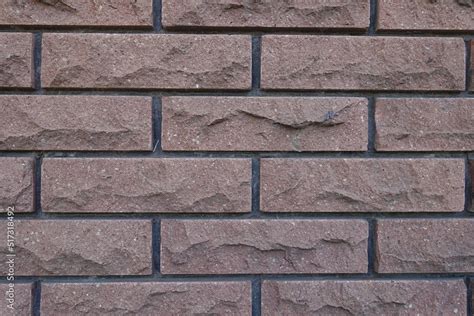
(362, 63)
(16, 184)
(16, 60)
(437, 297)
(76, 13)
(266, 14)
(146, 185)
(146, 61)
(15, 300)
(264, 124)
(425, 124)
(75, 123)
(150, 298)
(423, 15)
(80, 247)
(263, 246)
(425, 245)
(362, 185)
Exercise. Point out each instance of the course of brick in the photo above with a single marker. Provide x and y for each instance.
(235, 157)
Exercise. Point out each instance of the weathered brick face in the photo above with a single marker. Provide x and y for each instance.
(363, 297)
(256, 246)
(264, 124)
(16, 60)
(16, 184)
(136, 13)
(146, 185)
(121, 61)
(362, 185)
(150, 298)
(91, 123)
(266, 14)
(407, 124)
(362, 63)
(421, 15)
(237, 157)
(81, 247)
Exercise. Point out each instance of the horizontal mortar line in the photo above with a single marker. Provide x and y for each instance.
(246, 216)
(232, 93)
(243, 277)
(202, 30)
(238, 154)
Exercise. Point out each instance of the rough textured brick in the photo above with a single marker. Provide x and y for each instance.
(75, 123)
(362, 185)
(425, 246)
(266, 14)
(259, 246)
(17, 184)
(445, 15)
(76, 12)
(146, 185)
(361, 62)
(425, 124)
(22, 300)
(16, 60)
(146, 61)
(440, 297)
(264, 124)
(80, 247)
(151, 298)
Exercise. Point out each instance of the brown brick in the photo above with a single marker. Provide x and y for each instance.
(21, 304)
(263, 246)
(425, 124)
(75, 123)
(16, 60)
(146, 61)
(422, 15)
(266, 14)
(80, 247)
(76, 13)
(150, 298)
(362, 185)
(437, 297)
(425, 245)
(16, 184)
(146, 185)
(264, 124)
(362, 63)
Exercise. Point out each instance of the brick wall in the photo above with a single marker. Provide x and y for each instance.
(237, 157)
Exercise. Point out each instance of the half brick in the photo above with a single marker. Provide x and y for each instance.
(65, 123)
(80, 247)
(425, 246)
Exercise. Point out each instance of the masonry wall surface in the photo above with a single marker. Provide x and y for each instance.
(236, 157)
